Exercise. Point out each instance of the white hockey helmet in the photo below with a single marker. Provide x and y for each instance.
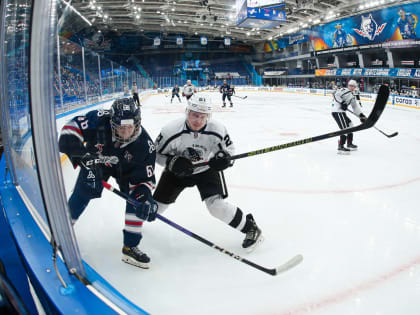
(189, 82)
(200, 104)
(352, 83)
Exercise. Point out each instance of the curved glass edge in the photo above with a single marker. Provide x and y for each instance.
(14, 99)
(35, 252)
(43, 30)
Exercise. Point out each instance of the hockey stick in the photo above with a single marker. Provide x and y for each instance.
(377, 110)
(387, 135)
(242, 98)
(272, 271)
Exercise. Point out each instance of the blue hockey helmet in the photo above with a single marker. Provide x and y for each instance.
(125, 114)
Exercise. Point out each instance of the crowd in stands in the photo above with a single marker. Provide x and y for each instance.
(73, 88)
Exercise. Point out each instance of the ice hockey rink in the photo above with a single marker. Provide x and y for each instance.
(355, 219)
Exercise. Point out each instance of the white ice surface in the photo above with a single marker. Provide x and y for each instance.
(355, 219)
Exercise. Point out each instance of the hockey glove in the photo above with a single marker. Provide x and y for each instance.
(146, 209)
(91, 161)
(362, 118)
(220, 161)
(344, 106)
(180, 166)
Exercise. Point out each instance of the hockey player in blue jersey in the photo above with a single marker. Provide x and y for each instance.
(407, 24)
(175, 92)
(225, 90)
(112, 143)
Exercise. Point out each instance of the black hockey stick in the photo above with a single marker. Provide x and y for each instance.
(272, 271)
(242, 98)
(387, 135)
(377, 110)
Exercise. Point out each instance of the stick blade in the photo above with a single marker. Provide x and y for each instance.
(393, 134)
(378, 108)
(289, 264)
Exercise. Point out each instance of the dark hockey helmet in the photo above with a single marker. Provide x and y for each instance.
(125, 113)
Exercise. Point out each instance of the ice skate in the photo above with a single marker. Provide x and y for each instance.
(253, 234)
(136, 257)
(342, 150)
(352, 147)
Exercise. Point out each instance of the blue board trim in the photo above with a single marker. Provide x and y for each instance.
(36, 254)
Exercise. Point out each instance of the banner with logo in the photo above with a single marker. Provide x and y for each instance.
(389, 24)
(156, 41)
(395, 26)
(260, 13)
(227, 41)
(203, 40)
(179, 40)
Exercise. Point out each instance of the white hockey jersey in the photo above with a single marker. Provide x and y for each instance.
(176, 138)
(344, 97)
(189, 89)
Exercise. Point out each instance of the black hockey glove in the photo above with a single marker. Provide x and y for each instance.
(180, 166)
(362, 118)
(344, 106)
(220, 161)
(146, 209)
(91, 161)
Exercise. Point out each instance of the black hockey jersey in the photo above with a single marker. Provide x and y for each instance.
(92, 133)
(175, 90)
(231, 91)
(224, 88)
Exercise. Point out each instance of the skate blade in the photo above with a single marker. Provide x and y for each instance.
(252, 247)
(352, 149)
(131, 261)
(343, 152)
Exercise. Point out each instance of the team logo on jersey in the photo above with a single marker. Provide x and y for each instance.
(100, 147)
(193, 154)
(369, 28)
(151, 146)
(91, 175)
(128, 156)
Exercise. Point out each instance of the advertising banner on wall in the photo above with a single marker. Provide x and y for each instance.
(370, 72)
(285, 41)
(389, 26)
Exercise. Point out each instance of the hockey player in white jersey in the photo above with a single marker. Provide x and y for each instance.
(342, 98)
(188, 90)
(184, 142)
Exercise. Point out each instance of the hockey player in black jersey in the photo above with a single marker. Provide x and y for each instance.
(342, 98)
(175, 92)
(112, 143)
(224, 89)
(135, 93)
(231, 91)
(196, 139)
